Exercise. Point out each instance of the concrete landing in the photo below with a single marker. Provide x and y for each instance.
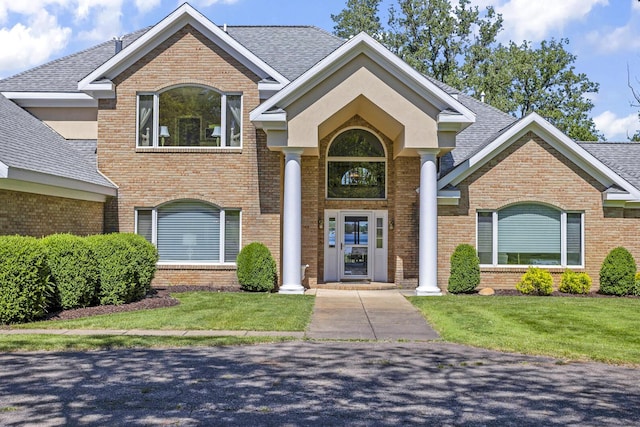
(367, 315)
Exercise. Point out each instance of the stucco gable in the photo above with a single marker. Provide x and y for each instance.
(556, 139)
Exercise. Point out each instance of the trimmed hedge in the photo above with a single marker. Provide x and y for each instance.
(256, 268)
(25, 287)
(536, 281)
(636, 288)
(74, 270)
(617, 274)
(575, 283)
(144, 258)
(465, 270)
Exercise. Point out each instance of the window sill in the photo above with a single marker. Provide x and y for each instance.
(186, 266)
(220, 150)
(523, 268)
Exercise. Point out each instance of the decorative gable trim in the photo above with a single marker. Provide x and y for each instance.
(558, 140)
(98, 84)
(454, 112)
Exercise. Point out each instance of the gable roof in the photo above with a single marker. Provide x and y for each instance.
(31, 151)
(455, 112)
(554, 137)
(97, 82)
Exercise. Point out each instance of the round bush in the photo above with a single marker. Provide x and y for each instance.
(74, 270)
(465, 270)
(575, 283)
(636, 288)
(144, 259)
(25, 288)
(256, 268)
(117, 271)
(617, 274)
(536, 281)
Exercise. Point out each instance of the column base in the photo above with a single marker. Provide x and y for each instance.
(291, 289)
(428, 292)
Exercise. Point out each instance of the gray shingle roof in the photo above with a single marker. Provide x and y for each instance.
(27, 143)
(622, 157)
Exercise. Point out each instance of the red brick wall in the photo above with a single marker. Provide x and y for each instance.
(532, 170)
(37, 215)
(247, 178)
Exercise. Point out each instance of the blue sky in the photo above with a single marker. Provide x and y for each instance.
(604, 34)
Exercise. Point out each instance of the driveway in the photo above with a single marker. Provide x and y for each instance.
(313, 383)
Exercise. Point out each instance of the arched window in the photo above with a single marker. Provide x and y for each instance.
(530, 234)
(356, 166)
(191, 231)
(189, 116)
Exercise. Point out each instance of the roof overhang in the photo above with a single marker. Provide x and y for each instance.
(95, 85)
(51, 99)
(558, 140)
(454, 115)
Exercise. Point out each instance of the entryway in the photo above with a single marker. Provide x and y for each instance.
(355, 246)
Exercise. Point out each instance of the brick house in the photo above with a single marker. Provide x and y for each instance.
(335, 154)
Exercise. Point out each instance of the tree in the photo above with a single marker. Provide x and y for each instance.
(520, 79)
(457, 45)
(359, 15)
(635, 137)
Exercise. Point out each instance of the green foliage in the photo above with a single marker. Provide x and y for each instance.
(256, 268)
(617, 274)
(25, 288)
(144, 258)
(465, 270)
(119, 282)
(636, 288)
(358, 16)
(575, 283)
(74, 270)
(536, 281)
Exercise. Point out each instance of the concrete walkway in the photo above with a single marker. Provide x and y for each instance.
(383, 315)
(367, 315)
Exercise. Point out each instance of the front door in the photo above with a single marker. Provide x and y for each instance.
(355, 245)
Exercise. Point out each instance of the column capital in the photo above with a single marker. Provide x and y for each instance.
(292, 151)
(428, 152)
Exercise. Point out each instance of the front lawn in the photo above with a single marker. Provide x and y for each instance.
(600, 329)
(205, 311)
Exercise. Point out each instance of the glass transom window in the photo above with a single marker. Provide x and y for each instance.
(356, 166)
(189, 116)
(530, 234)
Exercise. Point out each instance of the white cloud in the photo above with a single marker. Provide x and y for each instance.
(207, 3)
(624, 38)
(617, 128)
(25, 46)
(146, 5)
(103, 16)
(534, 20)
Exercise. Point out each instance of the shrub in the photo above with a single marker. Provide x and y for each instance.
(256, 268)
(617, 274)
(25, 288)
(74, 270)
(465, 270)
(536, 281)
(118, 283)
(636, 288)
(144, 258)
(575, 283)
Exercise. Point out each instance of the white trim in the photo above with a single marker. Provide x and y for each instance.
(4, 170)
(364, 44)
(51, 99)
(180, 17)
(58, 181)
(50, 190)
(554, 137)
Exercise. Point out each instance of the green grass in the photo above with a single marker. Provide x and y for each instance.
(205, 311)
(38, 342)
(600, 329)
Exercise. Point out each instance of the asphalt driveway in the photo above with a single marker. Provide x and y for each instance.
(313, 383)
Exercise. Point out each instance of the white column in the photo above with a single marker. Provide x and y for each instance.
(428, 245)
(292, 223)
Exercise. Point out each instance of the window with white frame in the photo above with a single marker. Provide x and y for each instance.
(356, 166)
(189, 231)
(189, 116)
(530, 234)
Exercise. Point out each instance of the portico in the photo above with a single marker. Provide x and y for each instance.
(360, 134)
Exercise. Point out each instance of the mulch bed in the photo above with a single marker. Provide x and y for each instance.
(594, 294)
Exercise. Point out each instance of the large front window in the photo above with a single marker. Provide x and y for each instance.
(356, 166)
(530, 234)
(191, 232)
(189, 116)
